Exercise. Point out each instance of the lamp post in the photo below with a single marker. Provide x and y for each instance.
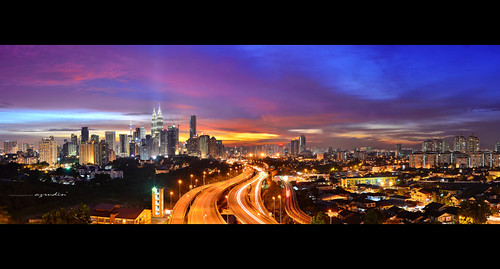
(180, 182)
(227, 213)
(330, 214)
(274, 206)
(171, 193)
(191, 179)
(204, 173)
(279, 197)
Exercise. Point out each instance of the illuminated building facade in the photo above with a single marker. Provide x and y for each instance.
(156, 123)
(192, 126)
(157, 202)
(87, 153)
(378, 181)
(48, 151)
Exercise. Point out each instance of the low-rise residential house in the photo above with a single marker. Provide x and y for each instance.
(421, 195)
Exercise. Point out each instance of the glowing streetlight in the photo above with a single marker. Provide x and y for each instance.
(330, 214)
(279, 197)
(180, 182)
(171, 194)
(274, 206)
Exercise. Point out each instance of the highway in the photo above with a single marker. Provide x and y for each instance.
(204, 209)
(292, 206)
(178, 215)
(249, 210)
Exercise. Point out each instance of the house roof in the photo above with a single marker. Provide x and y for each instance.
(129, 213)
(105, 210)
(433, 206)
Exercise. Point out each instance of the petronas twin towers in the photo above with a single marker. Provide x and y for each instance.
(156, 123)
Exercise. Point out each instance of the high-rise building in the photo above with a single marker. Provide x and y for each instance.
(435, 145)
(156, 123)
(459, 143)
(172, 140)
(87, 153)
(204, 141)
(110, 139)
(85, 134)
(192, 126)
(294, 147)
(48, 151)
(142, 134)
(94, 138)
(398, 149)
(124, 147)
(302, 143)
(193, 146)
(10, 146)
(472, 144)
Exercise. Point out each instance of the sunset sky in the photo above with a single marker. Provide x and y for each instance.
(339, 96)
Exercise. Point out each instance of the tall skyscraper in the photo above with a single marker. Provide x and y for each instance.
(302, 143)
(435, 145)
(10, 146)
(156, 123)
(204, 143)
(48, 151)
(192, 126)
(459, 143)
(294, 147)
(110, 137)
(124, 147)
(472, 144)
(398, 150)
(87, 153)
(142, 133)
(85, 134)
(172, 140)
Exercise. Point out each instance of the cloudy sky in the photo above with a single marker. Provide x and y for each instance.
(340, 96)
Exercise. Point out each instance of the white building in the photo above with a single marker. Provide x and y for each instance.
(48, 151)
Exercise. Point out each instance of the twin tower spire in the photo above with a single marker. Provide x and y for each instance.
(156, 122)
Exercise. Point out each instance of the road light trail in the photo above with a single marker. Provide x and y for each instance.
(204, 209)
(244, 210)
(256, 198)
(292, 206)
(178, 215)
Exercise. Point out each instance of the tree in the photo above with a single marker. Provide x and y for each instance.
(79, 215)
(373, 216)
(473, 212)
(320, 218)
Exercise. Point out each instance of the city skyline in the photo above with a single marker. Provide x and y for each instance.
(339, 96)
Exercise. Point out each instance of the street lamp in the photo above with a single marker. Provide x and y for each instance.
(279, 197)
(274, 206)
(191, 179)
(171, 193)
(227, 213)
(180, 182)
(204, 173)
